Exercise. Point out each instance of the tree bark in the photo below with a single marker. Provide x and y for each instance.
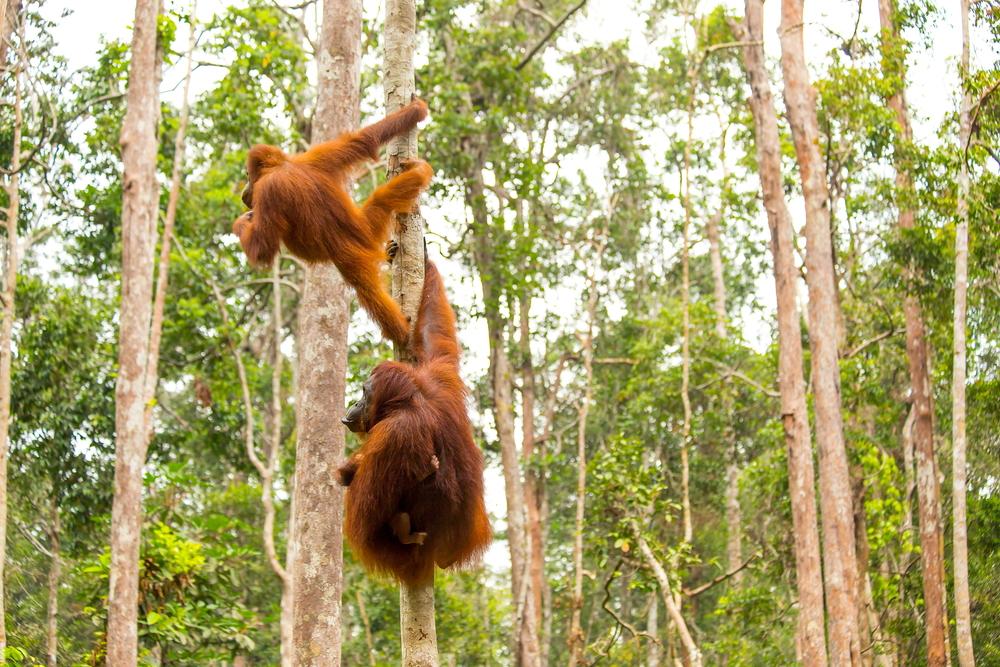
(577, 639)
(960, 536)
(140, 195)
(416, 604)
(316, 564)
(524, 641)
(55, 572)
(654, 651)
(673, 609)
(835, 487)
(286, 621)
(163, 273)
(734, 519)
(686, 319)
(13, 188)
(810, 639)
(532, 482)
(9, 12)
(929, 493)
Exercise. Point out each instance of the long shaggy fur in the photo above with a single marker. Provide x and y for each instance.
(302, 200)
(417, 413)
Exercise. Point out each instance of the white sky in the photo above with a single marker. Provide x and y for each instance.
(932, 88)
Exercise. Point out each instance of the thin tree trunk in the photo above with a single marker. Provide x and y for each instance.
(734, 534)
(654, 651)
(929, 493)
(835, 487)
(416, 604)
(673, 609)
(524, 641)
(269, 467)
(13, 187)
(163, 273)
(810, 638)
(536, 547)
(140, 195)
(9, 12)
(369, 641)
(316, 564)
(960, 537)
(577, 639)
(686, 317)
(55, 572)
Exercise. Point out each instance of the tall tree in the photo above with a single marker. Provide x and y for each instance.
(928, 489)
(577, 639)
(960, 539)
(416, 604)
(839, 572)
(140, 197)
(794, 412)
(13, 190)
(163, 265)
(316, 556)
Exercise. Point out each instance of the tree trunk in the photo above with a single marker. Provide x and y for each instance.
(929, 493)
(734, 534)
(416, 604)
(524, 639)
(13, 187)
(532, 483)
(960, 539)
(9, 12)
(316, 563)
(55, 572)
(577, 639)
(810, 639)
(163, 274)
(673, 609)
(654, 651)
(835, 487)
(140, 195)
(270, 468)
(686, 320)
(369, 640)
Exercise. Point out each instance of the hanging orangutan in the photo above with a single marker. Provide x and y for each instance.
(303, 201)
(415, 488)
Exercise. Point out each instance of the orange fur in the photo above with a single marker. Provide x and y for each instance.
(416, 413)
(302, 200)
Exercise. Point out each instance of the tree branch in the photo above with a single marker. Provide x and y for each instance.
(552, 31)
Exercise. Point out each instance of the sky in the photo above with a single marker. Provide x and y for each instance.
(933, 79)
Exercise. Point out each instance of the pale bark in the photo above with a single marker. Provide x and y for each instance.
(532, 483)
(369, 640)
(416, 603)
(9, 11)
(839, 570)
(928, 489)
(316, 564)
(285, 623)
(810, 638)
(577, 640)
(692, 653)
(140, 195)
(734, 519)
(13, 188)
(654, 650)
(55, 572)
(960, 536)
(163, 272)
(686, 320)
